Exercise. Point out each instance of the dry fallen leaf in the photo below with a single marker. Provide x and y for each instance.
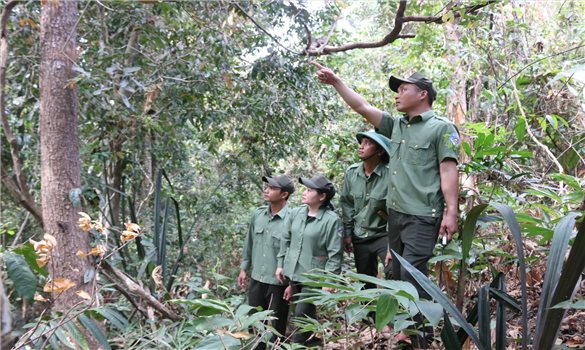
(83, 294)
(40, 298)
(58, 285)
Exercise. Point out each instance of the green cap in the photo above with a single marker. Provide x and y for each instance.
(280, 181)
(380, 139)
(319, 182)
(416, 79)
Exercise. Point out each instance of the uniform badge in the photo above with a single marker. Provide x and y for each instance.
(455, 139)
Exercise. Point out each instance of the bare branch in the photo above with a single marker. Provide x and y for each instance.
(19, 188)
(134, 288)
(394, 34)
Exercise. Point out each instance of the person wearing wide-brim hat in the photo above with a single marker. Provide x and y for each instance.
(312, 243)
(423, 186)
(267, 226)
(363, 204)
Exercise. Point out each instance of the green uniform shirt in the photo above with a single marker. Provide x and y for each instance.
(311, 243)
(361, 199)
(263, 243)
(418, 148)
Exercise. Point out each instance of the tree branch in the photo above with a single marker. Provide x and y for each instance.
(19, 188)
(135, 288)
(394, 34)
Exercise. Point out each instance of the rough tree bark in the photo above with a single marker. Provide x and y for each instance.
(60, 163)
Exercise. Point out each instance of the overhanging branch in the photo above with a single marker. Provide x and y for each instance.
(395, 33)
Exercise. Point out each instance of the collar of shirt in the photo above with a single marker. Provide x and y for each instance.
(281, 214)
(423, 117)
(377, 170)
(319, 214)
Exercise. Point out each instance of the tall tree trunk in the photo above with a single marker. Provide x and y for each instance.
(60, 163)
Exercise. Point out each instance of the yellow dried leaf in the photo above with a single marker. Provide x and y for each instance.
(40, 298)
(58, 285)
(83, 294)
(43, 260)
(84, 222)
(128, 235)
(52, 241)
(132, 227)
(239, 335)
(98, 227)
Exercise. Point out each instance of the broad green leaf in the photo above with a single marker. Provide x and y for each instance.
(27, 250)
(469, 229)
(116, 318)
(386, 308)
(217, 342)
(76, 335)
(431, 310)
(90, 325)
(25, 282)
(435, 292)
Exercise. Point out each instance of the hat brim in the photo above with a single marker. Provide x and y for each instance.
(376, 138)
(270, 181)
(308, 183)
(395, 82)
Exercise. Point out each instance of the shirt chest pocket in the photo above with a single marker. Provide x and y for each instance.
(358, 200)
(420, 153)
(275, 237)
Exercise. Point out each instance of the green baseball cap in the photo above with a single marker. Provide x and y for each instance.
(416, 79)
(380, 139)
(319, 182)
(280, 181)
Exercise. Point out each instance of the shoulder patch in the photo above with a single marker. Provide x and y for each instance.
(353, 166)
(452, 140)
(339, 231)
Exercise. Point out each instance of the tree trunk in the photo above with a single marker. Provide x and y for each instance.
(60, 163)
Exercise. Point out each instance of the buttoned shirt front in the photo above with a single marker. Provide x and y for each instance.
(311, 243)
(418, 148)
(262, 243)
(363, 201)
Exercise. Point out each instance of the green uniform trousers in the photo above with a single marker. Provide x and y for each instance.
(269, 297)
(367, 252)
(414, 238)
(302, 310)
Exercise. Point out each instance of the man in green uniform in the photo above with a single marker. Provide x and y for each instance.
(422, 196)
(267, 226)
(363, 204)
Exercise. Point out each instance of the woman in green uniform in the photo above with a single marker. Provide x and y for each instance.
(313, 241)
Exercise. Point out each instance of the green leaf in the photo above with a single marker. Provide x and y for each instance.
(116, 318)
(579, 304)
(216, 342)
(469, 229)
(483, 302)
(448, 334)
(27, 250)
(432, 311)
(204, 307)
(554, 265)
(520, 129)
(386, 309)
(75, 196)
(90, 325)
(435, 292)
(25, 282)
(208, 324)
(76, 335)
(510, 219)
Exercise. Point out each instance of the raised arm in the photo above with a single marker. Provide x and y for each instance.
(356, 101)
